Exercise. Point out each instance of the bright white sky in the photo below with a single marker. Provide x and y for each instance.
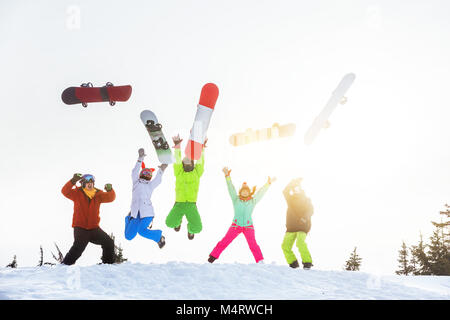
(377, 176)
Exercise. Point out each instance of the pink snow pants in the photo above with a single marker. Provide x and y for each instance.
(232, 233)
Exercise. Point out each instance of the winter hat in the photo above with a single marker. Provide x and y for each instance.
(146, 173)
(252, 192)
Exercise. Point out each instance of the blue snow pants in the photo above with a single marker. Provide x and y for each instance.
(133, 226)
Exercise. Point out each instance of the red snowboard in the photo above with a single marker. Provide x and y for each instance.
(87, 93)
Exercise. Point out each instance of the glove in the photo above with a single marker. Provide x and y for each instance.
(163, 166)
(141, 153)
(108, 187)
(76, 177)
(226, 171)
(177, 141)
(204, 143)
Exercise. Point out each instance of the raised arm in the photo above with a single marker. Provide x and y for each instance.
(67, 190)
(260, 194)
(231, 189)
(158, 178)
(200, 165)
(177, 166)
(137, 166)
(135, 171)
(108, 196)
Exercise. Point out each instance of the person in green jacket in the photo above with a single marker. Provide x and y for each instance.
(244, 203)
(187, 174)
(298, 224)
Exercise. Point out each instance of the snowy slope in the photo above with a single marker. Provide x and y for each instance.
(188, 281)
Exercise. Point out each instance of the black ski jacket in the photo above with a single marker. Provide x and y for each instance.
(299, 212)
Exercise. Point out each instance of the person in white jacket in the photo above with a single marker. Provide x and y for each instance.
(140, 218)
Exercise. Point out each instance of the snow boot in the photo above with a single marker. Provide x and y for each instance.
(307, 265)
(294, 264)
(190, 236)
(177, 228)
(211, 259)
(162, 242)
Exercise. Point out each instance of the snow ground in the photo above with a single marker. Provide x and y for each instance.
(190, 281)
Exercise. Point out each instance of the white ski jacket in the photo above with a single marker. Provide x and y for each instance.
(142, 192)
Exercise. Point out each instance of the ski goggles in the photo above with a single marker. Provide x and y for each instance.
(88, 178)
(147, 172)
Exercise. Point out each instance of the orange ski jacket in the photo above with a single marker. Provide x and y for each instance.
(86, 212)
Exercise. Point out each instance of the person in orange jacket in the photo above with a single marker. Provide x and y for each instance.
(86, 217)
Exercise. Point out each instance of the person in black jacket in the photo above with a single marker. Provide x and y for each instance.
(298, 224)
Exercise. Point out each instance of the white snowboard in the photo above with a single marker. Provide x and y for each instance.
(158, 139)
(336, 97)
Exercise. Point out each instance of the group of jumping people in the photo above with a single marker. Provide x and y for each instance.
(87, 199)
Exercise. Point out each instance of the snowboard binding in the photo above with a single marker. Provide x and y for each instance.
(90, 85)
(111, 103)
(152, 126)
(160, 144)
(86, 85)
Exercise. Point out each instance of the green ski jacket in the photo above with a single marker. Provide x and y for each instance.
(187, 183)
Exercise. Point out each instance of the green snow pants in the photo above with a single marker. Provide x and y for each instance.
(288, 242)
(188, 209)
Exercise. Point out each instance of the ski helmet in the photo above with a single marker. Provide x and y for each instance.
(87, 178)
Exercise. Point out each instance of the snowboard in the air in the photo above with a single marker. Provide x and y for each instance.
(154, 129)
(88, 93)
(250, 135)
(338, 96)
(205, 108)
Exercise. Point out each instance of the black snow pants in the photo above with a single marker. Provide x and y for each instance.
(83, 237)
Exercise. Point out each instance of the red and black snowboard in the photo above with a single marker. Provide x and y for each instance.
(88, 93)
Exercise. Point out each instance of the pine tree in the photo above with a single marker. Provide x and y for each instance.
(445, 224)
(419, 254)
(13, 264)
(354, 262)
(438, 255)
(404, 265)
(413, 263)
(119, 255)
(118, 252)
